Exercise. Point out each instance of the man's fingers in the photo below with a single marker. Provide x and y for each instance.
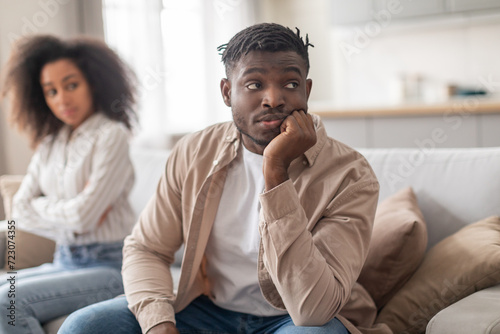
(304, 121)
(299, 116)
(310, 123)
(289, 123)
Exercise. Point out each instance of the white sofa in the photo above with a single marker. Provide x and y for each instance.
(454, 187)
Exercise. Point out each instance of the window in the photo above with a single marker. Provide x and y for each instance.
(171, 46)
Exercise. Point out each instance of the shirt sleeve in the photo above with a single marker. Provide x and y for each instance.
(314, 271)
(22, 211)
(149, 252)
(111, 168)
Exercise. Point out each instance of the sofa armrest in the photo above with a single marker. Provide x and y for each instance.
(31, 250)
(9, 184)
(477, 313)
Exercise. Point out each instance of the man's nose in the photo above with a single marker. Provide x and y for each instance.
(273, 98)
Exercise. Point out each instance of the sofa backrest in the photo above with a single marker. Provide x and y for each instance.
(454, 187)
(149, 165)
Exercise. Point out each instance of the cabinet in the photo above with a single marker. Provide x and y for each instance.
(488, 129)
(412, 8)
(360, 11)
(352, 11)
(426, 131)
(468, 5)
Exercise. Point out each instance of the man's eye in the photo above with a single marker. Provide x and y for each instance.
(254, 86)
(292, 85)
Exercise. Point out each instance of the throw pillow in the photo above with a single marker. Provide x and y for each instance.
(397, 247)
(459, 265)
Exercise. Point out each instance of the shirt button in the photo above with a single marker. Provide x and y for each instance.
(215, 162)
(228, 137)
(304, 162)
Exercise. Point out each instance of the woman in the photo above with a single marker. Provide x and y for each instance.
(74, 98)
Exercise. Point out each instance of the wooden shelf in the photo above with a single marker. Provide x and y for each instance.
(472, 105)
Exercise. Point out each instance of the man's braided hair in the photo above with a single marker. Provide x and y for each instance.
(270, 37)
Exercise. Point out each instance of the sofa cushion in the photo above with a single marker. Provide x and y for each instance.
(459, 265)
(454, 186)
(477, 313)
(398, 244)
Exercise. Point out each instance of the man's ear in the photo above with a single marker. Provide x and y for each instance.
(309, 84)
(225, 89)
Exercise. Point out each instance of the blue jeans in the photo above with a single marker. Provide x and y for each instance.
(201, 316)
(79, 276)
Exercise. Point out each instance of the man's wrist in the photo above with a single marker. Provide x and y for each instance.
(164, 328)
(274, 175)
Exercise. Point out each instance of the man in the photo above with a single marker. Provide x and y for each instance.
(275, 216)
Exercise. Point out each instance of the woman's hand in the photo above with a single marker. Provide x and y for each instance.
(104, 215)
(101, 220)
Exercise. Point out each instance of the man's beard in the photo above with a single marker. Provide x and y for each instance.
(259, 142)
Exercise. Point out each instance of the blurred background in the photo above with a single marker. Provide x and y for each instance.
(386, 73)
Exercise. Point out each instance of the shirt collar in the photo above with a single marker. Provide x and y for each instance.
(92, 122)
(89, 124)
(232, 134)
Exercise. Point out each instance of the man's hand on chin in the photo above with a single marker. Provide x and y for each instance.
(164, 328)
(297, 136)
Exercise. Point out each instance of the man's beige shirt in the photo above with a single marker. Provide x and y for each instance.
(315, 230)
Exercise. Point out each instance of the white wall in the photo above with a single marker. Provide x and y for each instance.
(461, 50)
(311, 17)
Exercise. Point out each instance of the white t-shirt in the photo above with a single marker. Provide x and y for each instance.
(233, 246)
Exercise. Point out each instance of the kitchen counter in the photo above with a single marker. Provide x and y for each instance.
(462, 122)
(470, 105)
